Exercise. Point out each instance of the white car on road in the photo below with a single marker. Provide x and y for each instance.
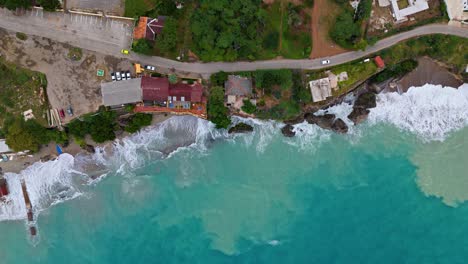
(325, 62)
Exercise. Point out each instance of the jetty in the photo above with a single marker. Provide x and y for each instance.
(29, 210)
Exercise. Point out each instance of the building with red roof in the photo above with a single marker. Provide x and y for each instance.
(149, 28)
(154, 89)
(180, 95)
(379, 62)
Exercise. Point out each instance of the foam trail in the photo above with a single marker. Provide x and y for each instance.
(47, 183)
(430, 111)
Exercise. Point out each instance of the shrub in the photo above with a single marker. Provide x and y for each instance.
(21, 36)
(49, 5)
(75, 53)
(167, 40)
(219, 78)
(143, 46)
(395, 71)
(138, 121)
(248, 107)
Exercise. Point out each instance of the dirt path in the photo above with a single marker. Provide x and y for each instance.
(322, 45)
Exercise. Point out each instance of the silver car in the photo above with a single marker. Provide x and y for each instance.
(117, 76)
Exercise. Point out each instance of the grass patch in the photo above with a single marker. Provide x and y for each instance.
(287, 32)
(20, 90)
(21, 36)
(75, 53)
(136, 8)
(448, 49)
(357, 71)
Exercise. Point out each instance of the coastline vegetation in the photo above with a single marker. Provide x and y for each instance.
(217, 111)
(225, 30)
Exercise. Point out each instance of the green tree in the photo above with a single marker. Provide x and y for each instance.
(219, 78)
(78, 128)
(227, 29)
(167, 40)
(49, 5)
(345, 32)
(19, 138)
(217, 112)
(14, 4)
(143, 46)
(138, 121)
(102, 126)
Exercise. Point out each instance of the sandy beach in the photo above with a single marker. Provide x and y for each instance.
(48, 152)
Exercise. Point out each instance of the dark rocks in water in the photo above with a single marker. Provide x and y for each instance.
(295, 121)
(358, 115)
(366, 100)
(323, 121)
(90, 148)
(361, 107)
(241, 128)
(287, 130)
(339, 126)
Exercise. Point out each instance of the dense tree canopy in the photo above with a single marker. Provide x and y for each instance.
(227, 29)
(142, 46)
(266, 79)
(14, 4)
(217, 112)
(167, 40)
(138, 121)
(345, 32)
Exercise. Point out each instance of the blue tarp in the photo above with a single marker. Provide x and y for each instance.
(59, 149)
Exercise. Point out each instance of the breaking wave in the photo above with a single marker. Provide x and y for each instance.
(432, 112)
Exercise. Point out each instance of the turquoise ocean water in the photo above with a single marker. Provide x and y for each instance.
(391, 191)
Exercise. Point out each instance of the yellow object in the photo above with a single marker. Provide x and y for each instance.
(124, 51)
(138, 68)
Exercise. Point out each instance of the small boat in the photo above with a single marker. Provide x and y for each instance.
(59, 149)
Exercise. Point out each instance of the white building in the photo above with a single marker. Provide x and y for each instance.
(4, 147)
(320, 89)
(457, 9)
(414, 6)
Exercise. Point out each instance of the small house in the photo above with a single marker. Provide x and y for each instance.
(236, 88)
(320, 89)
(148, 28)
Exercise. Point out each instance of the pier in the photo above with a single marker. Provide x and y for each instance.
(29, 209)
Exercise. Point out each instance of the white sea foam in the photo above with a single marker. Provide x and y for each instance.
(430, 111)
(48, 183)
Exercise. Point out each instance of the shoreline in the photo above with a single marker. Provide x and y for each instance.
(49, 152)
(423, 74)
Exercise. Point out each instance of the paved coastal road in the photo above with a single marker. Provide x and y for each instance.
(208, 68)
(109, 36)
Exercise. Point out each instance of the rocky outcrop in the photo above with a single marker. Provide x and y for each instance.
(288, 130)
(340, 126)
(90, 148)
(241, 128)
(361, 107)
(323, 121)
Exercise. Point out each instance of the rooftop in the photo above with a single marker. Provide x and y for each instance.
(320, 89)
(238, 85)
(414, 6)
(121, 92)
(155, 88)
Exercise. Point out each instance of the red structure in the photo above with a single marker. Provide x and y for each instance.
(155, 89)
(379, 62)
(159, 90)
(149, 28)
(3, 187)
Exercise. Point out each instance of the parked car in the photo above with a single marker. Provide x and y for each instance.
(124, 76)
(150, 68)
(128, 75)
(325, 62)
(70, 110)
(117, 75)
(124, 51)
(62, 113)
(113, 76)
